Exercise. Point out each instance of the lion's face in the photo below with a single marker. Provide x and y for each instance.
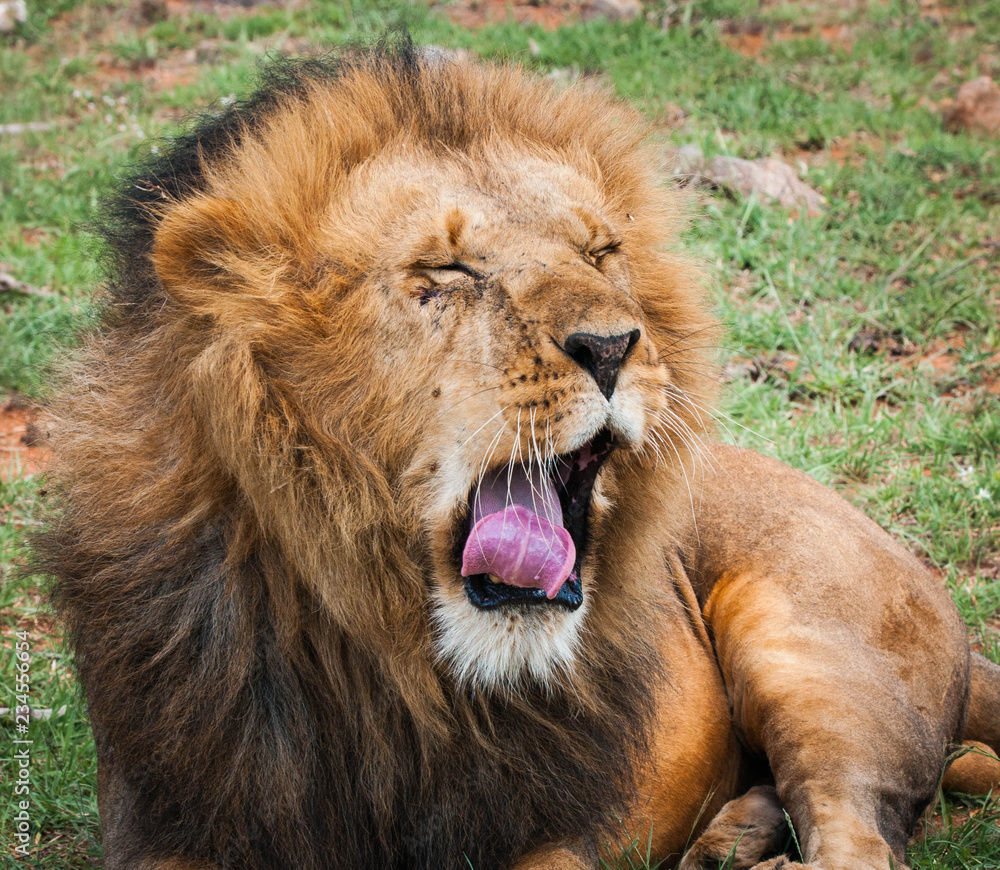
(513, 323)
(450, 374)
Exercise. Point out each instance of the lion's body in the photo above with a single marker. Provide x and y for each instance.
(334, 311)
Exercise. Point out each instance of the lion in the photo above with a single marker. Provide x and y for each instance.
(390, 531)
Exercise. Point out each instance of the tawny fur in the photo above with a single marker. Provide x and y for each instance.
(331, 308)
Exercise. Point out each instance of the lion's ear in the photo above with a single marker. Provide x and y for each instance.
(206, 251)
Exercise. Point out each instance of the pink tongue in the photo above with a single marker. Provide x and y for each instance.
(517, 534)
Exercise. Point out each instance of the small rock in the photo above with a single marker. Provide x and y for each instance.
(613, 10)
(534, 49)
(12, 13)
(768, 177)
(440, 54)
(683, 162)
(977, 107)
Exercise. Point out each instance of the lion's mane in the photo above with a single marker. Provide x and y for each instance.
(213, 464)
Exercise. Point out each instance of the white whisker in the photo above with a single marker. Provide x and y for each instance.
(474, 434)
(487, 456)
(692, 440)
(687, 482)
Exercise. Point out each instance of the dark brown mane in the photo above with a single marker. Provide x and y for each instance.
(188, 651)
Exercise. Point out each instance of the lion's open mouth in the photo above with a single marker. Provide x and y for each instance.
(526, 532)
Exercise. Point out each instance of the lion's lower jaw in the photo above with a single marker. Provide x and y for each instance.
(502, 650)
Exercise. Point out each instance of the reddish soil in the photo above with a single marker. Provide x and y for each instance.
(748, 44)
(752, 39)
(19, 457)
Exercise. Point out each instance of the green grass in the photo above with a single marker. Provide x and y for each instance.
(862, 346)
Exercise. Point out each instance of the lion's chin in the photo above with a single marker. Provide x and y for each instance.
(507, 649)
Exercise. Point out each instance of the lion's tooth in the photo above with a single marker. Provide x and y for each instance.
(494, 578)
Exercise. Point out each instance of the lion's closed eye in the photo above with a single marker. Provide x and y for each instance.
(598, 256)
(451, 273)
(433, 281)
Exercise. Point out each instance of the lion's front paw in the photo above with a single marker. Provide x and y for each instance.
(783, 862)
(556, 858)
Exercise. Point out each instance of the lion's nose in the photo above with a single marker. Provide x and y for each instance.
(601, 355)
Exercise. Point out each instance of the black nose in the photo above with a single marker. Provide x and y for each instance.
(601, 355)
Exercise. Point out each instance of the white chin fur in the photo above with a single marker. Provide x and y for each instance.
(507, 649)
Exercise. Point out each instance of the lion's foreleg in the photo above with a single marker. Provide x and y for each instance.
(854, 757)
(984, 703)
(745, 830)
(846, 663)
(977, 769)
